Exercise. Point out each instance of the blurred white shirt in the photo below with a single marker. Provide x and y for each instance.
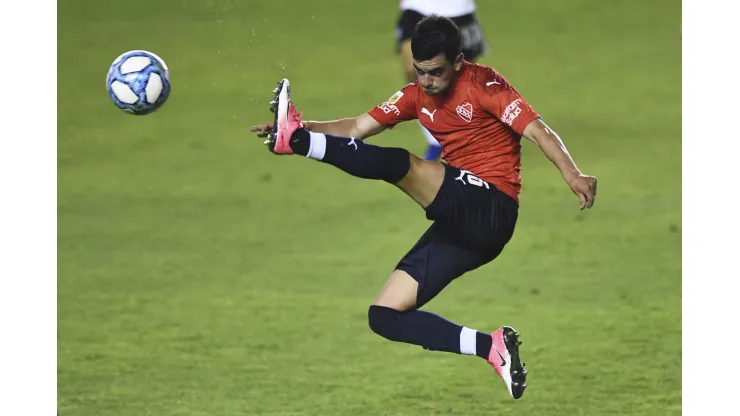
(446, 8)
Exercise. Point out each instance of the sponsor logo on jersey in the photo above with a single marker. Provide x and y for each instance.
(512, 111)
(395, 97)
(390, 108)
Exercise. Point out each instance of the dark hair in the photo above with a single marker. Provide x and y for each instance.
(434, 35)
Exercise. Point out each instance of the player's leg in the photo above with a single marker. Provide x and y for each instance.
(407, 61)
(394, 316)
(404, 29)
(434, 149)
(418, 178)
(434, 262)
(472, 224)
(474, 42)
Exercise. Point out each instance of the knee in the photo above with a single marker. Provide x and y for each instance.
(382, 319)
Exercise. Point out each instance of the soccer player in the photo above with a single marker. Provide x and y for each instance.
(472, 199)
(462, 13)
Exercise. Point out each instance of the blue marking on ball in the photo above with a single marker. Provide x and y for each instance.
(137, 81)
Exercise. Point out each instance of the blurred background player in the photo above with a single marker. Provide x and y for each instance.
(462, 12)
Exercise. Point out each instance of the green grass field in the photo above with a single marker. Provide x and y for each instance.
(200, 275)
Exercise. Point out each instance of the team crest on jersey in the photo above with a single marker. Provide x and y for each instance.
(465, 111)
(395, 97)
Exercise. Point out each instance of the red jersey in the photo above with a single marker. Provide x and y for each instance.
(479, 123)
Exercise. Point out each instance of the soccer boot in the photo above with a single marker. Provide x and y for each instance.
(504, 357)
(287, 120)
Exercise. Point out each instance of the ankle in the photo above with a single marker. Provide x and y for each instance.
(300, 142)
(483, 345)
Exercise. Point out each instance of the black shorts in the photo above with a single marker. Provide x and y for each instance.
(473, 221)
(473, 41)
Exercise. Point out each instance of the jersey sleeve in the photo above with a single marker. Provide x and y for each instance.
(510, 107)
(400, 107)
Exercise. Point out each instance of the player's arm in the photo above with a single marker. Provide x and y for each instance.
(400, 107)
(359, 127)
(542, 135)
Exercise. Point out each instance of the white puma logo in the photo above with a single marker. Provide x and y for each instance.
(352, 142)
(431, 115)
(488, 84)
(476, 181)
(462, 175)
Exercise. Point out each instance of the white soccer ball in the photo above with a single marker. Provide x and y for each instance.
(138, 82)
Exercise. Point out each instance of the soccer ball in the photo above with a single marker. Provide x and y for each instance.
(138, 82)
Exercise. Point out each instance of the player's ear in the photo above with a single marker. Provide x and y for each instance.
(459, 62)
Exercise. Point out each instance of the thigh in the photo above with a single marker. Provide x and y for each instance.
(399, 292)
(407, 61)
(405, 26)
(437, 259)
(423, 181)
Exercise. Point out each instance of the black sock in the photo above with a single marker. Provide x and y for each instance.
(483, 344)
(355, 157)
(300, 142)
(430, 331)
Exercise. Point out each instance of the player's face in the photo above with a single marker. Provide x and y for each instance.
(437, 74)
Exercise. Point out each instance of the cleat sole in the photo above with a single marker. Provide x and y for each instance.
(517, 371)
(274, 109)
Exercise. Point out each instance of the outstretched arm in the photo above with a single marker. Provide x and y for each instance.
(359, 127)
(542, 135)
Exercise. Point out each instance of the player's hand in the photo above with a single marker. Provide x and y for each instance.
(584, 187)
(262, 129)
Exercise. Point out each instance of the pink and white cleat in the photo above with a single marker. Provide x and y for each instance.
(287, 120)
(504, 357)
